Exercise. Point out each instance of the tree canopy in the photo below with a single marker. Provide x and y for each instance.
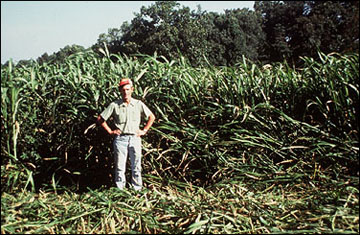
(273, 32)
(171, 31)
(302, 28)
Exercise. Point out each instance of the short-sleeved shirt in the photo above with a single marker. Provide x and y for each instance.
(127, 118)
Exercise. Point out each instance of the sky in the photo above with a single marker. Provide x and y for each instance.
(31, 28)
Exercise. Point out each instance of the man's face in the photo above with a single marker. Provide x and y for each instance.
(126, 91)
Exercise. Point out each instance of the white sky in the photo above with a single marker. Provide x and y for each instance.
(31, 28)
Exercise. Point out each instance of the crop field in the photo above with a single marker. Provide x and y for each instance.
(242, 149)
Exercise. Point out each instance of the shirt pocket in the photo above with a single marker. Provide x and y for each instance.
(135, 116)
(121, 115)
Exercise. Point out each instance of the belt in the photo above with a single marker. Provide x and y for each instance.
(124, 134)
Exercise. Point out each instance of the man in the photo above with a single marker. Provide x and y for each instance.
(127, 114)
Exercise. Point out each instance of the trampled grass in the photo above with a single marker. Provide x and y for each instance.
(232, 206)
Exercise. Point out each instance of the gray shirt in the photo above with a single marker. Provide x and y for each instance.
(127, 117)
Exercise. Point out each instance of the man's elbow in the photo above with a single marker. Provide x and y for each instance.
(99, 120)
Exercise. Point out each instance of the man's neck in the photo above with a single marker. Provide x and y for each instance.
(127, 101)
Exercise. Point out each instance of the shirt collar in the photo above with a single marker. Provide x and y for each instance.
(132, 102)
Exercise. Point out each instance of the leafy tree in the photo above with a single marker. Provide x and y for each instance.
(169, 30)
(302, 28)
(112, 39)
(235, 34)
(44, 58)
(25, 63)
(332, 26)
(276, 22)
(61, 55)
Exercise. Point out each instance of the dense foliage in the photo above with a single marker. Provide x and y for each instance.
(258, 127)
(273, 32)
(203, 114)
(302, 28)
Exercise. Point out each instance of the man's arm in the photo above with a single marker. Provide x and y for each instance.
(148, 125)
(103, 123)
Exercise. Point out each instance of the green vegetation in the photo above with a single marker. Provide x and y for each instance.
(240, 149)
(231, 207)
(273, 32)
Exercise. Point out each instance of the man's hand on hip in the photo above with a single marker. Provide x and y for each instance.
(140, 133)
(115, 132)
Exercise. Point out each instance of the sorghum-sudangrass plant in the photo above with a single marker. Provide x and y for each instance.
(227, 207)
(234, 149)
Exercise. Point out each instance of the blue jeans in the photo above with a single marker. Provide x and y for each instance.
(124, 146)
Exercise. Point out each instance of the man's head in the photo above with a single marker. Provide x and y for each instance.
(125, 81)
(126, 88)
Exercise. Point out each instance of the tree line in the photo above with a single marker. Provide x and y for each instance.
(273, 32)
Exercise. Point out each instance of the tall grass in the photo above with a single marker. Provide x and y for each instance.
(234, 149)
